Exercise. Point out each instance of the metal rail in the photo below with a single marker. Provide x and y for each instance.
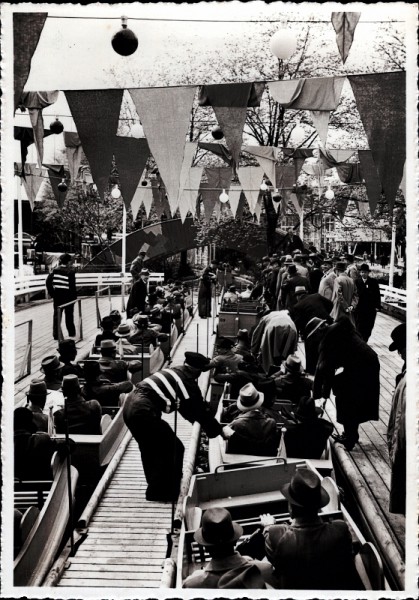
(80, 320)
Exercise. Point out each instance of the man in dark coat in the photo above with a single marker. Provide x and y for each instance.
(114, 369)
(61, 286)
(309, 306)
(137, 265)
(312, 335)
(306, 434)
(101, 389)
(293, 384)
(349, 367)
(161, 450)
(309, 553)
(139, 293)
(83, 416)
(289, 286)
(369, 302)
(207, 281)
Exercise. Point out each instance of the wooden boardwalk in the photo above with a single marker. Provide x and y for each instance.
(126, 543)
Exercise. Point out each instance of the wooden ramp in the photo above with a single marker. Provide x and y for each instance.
(126, 543)
(368, 463)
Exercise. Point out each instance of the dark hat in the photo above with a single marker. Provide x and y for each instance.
(23, 419)
(293, 364)
(144, 272)
(156, 310)
(249, 398)
(364, 267)
(51, 363)
(66, 346)
(107, 345)
(313, 324)
(398, 335)
(70, 384)
(91, 369)
(340, 266)
(242, 334)
(37, 387)
(65, 259)
(142, 252)
(141, 320)
(107, 322)
(124, 330)
(115, 316)
(232, 288)
(307, 409)
(217, 528)
(305, 490)
(197, 361)
(225, 343)
(300, 289)
(292, 270)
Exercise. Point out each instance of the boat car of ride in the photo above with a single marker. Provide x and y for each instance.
(249, 491)
(240, 315)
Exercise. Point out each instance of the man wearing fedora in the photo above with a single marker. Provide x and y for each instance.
(139, 293)
(396, 432)
(308, 306)
(114, 369)
(161, 450)
(83, 416)
(227, 569)
(97, 387)
(293, 384)
(254, 432)
(67, 354)
(144, 334)
(306, 433)
(37, 398)
(51, 366)
(290, 284)
(369, 302)
(207, 280)
(309, 553)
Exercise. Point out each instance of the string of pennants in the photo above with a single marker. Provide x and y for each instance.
(96, 116)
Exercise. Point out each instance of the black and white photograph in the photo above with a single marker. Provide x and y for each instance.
(209, 271)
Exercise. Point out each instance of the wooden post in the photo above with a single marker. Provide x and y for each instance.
(392, 251)
(19, 226)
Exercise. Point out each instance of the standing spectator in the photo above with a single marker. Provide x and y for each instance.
(344, 296)
(61, 286)
(369, 302)
(139, 293)
(137, 266)
(301, 268)
(83, 416)
(383, 261)
(398, 335)
(312, 335)
(327, 281)
(37, 398)
(352, 269)
(315, 275)
(290, 284)
(309, 306)
(351, 368)
(207, 281)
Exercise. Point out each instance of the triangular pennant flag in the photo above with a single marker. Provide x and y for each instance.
(234, 198)
(251, 178)
(35, 102)
(321, 123)
(143, 195)
(344, 24)
(165, 115)
(183, 210)
(370, 176)
(340, 154)
(27, 29)
(403, 182)
(317, 93)
(74, 153)
(381, 98)
(362, 208)
(209, 200)
(286, 92)
(240, 208)
(190, 151)
(258, 208)
(285, 179)
(218, 149)
(297, 202)
(34, 178)
(190, 192)
(341, 206)
(56, 174)
(266, 157)
(131, 156)
(147, 199)
(219, 178)
(217, 210)
(96, 115)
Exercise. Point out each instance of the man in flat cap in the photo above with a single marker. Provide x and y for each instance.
(161, 450)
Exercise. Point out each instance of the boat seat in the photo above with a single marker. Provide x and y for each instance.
(28, 521)
(105, 422)
(370, 567)
(31, 493)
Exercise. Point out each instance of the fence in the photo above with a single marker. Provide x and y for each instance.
(27, 355)
(393, 296)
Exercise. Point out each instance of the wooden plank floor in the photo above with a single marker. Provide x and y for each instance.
(370, 455)
(126, 544)
(43, 342)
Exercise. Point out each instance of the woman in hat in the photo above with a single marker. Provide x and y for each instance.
(227, 568)
(207, 281)
(309, 553)
(254, 432)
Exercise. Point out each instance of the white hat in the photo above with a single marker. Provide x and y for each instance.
(249, 398)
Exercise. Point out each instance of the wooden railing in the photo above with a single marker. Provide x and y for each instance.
(393, 296)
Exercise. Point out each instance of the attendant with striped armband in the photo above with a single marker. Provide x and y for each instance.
(161, 450)
(61, 286)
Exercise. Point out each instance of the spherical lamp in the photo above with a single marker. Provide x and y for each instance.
(223, 197)
(116, 192)
(298, 135)
(217, 133)
(144, 182)
(263, 186)
(137, 131)
(125, 42)
(329, 193)
(283, 43)
(62, 186)
(56, 126)
(276, 196)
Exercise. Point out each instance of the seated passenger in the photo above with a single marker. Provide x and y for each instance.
(247, 293)
(37, 397)
(116, 318)
(309, 553)
(97, 387)
(83, 416)
(145, 335)
(123, 335)
(231, 297)
(32, 450)
(51, 367)
(107, 325)
(116, 370)
(226, 360)
(227, 568)
(242, 345)
(293, 384)
(254, 432)
(67, 354)
(306, 434)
